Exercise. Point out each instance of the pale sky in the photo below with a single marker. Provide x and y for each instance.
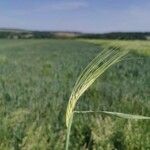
(76, 15)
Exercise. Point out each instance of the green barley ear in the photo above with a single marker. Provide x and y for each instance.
(97, 67)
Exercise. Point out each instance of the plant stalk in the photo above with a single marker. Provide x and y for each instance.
(68, 132)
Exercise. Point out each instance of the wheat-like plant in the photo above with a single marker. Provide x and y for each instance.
(96, 67)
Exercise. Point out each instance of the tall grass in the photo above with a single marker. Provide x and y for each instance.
(36, 77)
(96, 68)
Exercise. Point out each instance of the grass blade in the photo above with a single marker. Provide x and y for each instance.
(117, 114)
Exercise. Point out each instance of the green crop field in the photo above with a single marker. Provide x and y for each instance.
(36, 80)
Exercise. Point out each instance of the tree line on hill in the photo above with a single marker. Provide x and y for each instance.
(14, 34)
(119, 35)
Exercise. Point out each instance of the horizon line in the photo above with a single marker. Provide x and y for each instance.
(70, 31)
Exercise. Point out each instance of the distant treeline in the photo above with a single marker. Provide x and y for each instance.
(10, 34)
(25, 35)
(119, 35)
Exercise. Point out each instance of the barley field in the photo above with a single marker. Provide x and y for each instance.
(36, 80)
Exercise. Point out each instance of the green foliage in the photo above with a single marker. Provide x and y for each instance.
(137, 46)
(36, 79)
